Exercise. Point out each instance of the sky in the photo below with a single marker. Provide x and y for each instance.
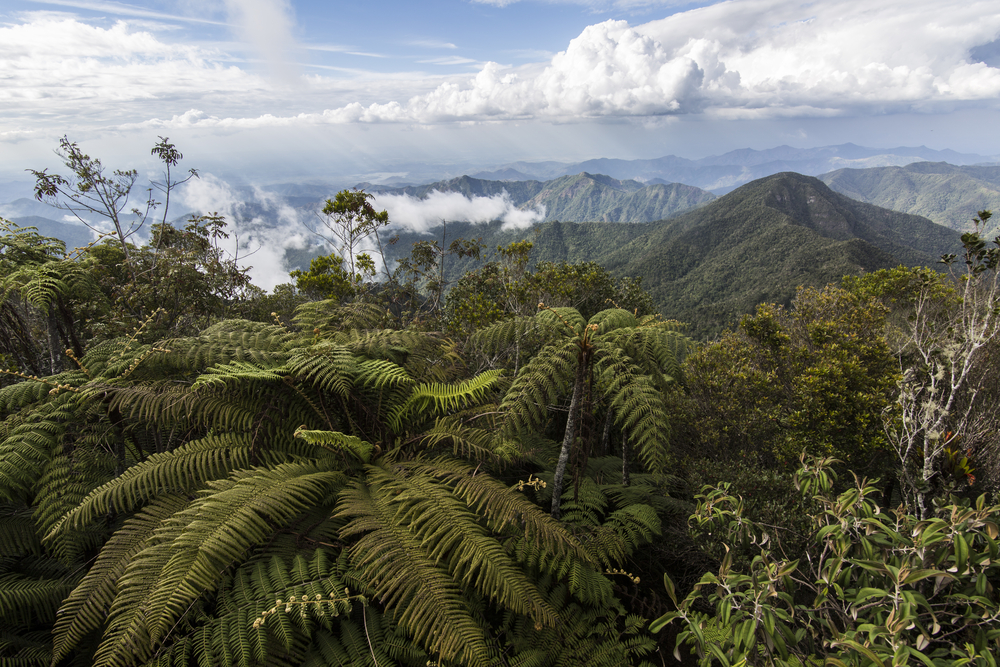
(286, 90)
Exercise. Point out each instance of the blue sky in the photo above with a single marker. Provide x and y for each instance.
(280, 90)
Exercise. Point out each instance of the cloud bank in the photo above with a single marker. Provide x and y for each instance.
(261, 227)
(735, 59)
(420, 215)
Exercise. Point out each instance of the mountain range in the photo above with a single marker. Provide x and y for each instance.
(582, 197)
(722, 173)
(705, 259)
(948, 194)
(756, 244)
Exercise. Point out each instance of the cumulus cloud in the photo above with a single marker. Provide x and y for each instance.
(60, 70)
(735, 59)
(420, 215)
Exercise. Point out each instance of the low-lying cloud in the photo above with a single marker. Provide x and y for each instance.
(261, 227)
(421, 215)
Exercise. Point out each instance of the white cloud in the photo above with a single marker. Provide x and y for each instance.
(432, 44)
(739, 59)
(735, 59)
(267, 25)
(422, 214)
(262, 226)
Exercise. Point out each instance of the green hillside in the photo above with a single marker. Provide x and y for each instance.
(949, 195)
(762, 241)
(758, 243)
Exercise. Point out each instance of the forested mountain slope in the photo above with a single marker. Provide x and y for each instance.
(758, 243)
(762, 241)
(949, 195)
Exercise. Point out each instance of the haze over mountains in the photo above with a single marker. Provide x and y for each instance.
(722, 173)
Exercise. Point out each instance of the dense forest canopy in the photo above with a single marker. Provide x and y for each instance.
(524, 465)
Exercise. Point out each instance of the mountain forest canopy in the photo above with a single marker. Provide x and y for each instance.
(760, 433)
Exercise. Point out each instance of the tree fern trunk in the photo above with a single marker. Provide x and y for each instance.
(626, 456)
(570, 435)
(55, 356)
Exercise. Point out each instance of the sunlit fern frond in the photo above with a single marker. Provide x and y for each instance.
(539, 384)
(419, 547)
(182, 470)
(85, 609)
(428, 401)
(220, 526)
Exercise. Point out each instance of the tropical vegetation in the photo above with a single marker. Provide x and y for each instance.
(527, 465)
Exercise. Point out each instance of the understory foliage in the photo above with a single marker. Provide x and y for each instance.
(872, 587)
(255, 495)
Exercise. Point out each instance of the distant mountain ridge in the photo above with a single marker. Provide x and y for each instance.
(948, 194)
(721, 173)
(757, 244)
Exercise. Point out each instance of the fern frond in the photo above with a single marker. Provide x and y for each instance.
(337, 442)
(497, 337)
(86, 607)
(408, 526)
(17, 531)
(539, 384)
(568, 321)
(465, 441)
(26, 599)
(622, 533)
(36, 390)
(431, 400)
(380, 373)
(231, 340)
(29, 448)
(183, 470)
(323, 317)
(331, 367)
(242, 372)
(612, 319)
(219, 527)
